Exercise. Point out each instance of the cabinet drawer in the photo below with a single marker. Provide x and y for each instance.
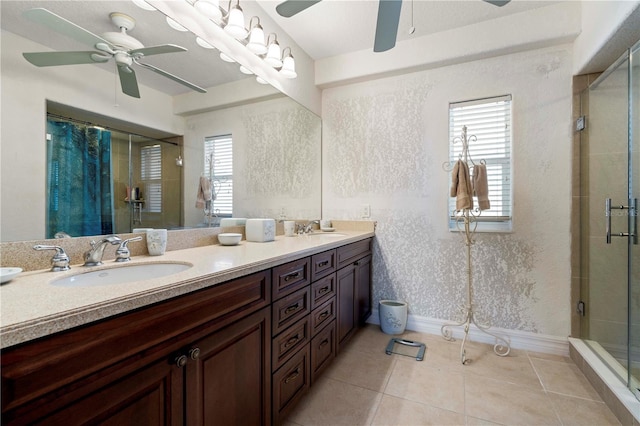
(323, 264)
(290, 309)
(323, 290)
(323, 315)
(290, 277)
(352, 252)
(289, 341)
(290, 383)
(323, 350)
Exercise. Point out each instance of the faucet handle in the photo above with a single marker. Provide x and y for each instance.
(59, 261)
(122, 253)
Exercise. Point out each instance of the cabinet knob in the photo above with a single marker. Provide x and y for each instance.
(181, 361)
(194, 353)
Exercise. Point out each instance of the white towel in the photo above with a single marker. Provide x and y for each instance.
(203, 198)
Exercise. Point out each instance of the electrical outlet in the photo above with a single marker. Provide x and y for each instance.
(366, 210)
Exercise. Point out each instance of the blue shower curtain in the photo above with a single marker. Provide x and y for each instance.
(79, 183)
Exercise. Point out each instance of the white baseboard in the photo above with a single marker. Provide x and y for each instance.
(524, 340)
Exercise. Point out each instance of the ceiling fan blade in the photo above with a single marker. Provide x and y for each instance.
(156, 50)
(51, 59)
(128, 81)
(498, 3)
(172, 77)
(62, 26)
(289, 8)
(387, 27)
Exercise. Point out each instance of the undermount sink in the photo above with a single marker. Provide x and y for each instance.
(121, 274)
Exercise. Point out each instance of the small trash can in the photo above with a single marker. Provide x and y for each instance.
(393, 316)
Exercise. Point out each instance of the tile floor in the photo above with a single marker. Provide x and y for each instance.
(364, 386)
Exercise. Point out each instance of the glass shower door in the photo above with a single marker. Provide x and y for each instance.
(609, 183)
(634, 242)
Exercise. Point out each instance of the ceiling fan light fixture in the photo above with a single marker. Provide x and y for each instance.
(209, 8)
(235, 22)
(273, 52)
(256, 42)
(288, 64)
(173, 24)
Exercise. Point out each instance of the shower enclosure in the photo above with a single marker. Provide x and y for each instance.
(610, 189)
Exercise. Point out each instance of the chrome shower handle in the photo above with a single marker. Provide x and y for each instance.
(607, 213)
(633, 213)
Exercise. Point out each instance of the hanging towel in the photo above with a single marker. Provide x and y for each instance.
(461, 186)
(203, 198)
(480, 186)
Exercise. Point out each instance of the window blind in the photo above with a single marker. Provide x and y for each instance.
(489, 120)
(151, 176)
(218, 164)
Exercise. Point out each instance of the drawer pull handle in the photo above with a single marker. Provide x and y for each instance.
(292, 376)
(181, 361)
(323, 290)
(322, 264)
(293, 276)
(292, 341)
(324, 343)
(323, 315)
(292, 308)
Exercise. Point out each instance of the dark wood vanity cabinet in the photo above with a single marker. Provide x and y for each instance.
(242, 352)
(353, 282)
(155, 365)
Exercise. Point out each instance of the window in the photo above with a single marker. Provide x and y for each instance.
(218, 164)
(151, 177)
(489, 120)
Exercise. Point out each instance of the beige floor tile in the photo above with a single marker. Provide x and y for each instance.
(370, 370)
(330, 402)
(370, 339)
(507, 403)
(580, 412)
(564, 378)
(514, 368)
(398, 411)
(473, 421)
(418, 382)
(550, 357)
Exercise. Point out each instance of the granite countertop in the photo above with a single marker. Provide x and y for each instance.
(33, 308)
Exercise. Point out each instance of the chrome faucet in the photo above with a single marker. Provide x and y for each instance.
(93, 257)
(122, 253)
(308, 228)
(60, 261)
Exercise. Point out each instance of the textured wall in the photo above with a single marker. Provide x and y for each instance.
(384, 143)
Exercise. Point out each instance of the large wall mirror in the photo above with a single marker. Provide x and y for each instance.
(276, 143)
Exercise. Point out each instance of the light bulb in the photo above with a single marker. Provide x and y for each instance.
(235, 24)
(245, 70)
(203, 43)
(256, 41)
(226, 57)
(289, 67)
(173, 24)
(273, 55)
(143, 5)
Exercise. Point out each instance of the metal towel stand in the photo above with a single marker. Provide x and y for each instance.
(467, 224)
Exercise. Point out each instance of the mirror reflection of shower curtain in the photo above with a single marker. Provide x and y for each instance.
(79, 183)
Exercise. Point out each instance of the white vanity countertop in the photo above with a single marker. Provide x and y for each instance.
(33, 308)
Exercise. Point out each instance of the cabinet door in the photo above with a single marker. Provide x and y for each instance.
(363, 289)
(229, 382)
(346, 279)
(150, 396)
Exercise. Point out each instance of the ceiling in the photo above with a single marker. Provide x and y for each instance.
(329, 28)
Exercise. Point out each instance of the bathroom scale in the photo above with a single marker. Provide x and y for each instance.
(406, 347)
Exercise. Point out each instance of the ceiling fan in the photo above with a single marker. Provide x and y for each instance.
(388, 18)
(120, 46)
